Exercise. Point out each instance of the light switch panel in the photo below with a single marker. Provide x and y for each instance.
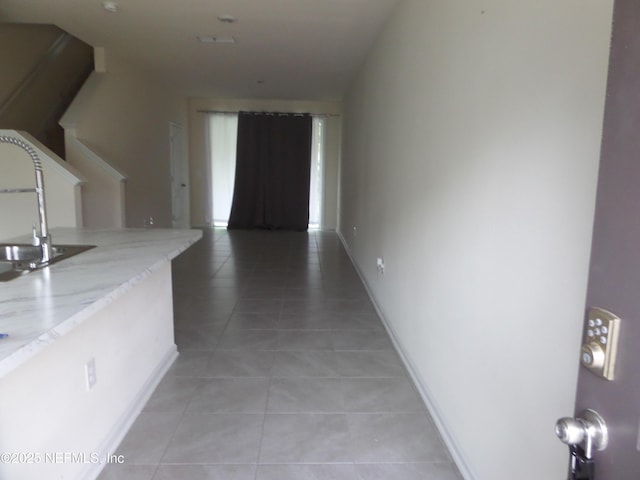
(600, 343)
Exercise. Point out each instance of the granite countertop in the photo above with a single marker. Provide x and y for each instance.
(43, 305)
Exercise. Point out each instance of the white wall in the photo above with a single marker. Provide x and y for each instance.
(331, 172)
(470, 157)
(19, 211)
(124, 112)
(198, 153)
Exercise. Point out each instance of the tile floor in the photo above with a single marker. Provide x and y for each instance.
(285, 373)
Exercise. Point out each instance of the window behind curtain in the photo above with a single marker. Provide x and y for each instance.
(317, 166)
(223, 133)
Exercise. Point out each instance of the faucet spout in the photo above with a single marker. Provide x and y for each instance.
(44, 239)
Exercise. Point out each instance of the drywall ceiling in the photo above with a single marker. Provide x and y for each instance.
(288, 49)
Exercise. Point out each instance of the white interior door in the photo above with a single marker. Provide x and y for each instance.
(179, 175)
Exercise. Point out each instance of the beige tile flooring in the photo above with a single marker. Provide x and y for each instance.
(285, 373)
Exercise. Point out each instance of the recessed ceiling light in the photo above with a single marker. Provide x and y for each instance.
(226, 18)
(213, 39)
(110, 6)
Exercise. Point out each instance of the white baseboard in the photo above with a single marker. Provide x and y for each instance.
(436, 414)
(110, 444)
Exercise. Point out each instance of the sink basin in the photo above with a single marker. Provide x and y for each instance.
(17, 259)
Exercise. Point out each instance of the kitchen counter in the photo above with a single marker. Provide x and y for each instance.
(38, 308)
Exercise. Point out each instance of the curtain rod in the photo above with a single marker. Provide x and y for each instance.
(270, 113)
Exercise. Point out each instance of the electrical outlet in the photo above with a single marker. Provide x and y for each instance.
(355, 232)
(91, 376)
(380, 265)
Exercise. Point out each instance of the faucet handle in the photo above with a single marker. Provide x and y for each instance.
(36, 241)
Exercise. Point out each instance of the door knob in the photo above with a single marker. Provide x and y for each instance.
(570, 430)
(588, 428)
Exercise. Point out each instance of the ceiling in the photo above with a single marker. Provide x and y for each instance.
(285, 49)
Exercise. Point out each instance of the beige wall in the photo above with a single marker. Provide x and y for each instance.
(24, 45)
(471, 149)
(103, 194)
(125, 114)
(199, 169)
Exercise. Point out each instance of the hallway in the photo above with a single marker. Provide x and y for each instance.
(285, 373)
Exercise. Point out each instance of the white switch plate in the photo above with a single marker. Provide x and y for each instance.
(380, 265)
(90, 374)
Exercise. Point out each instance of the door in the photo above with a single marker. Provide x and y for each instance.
(179, 175)
(614, 278)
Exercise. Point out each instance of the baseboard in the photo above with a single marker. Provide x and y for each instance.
(110, 444)
(427, 397)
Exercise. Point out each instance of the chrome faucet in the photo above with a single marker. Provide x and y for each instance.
(42, 238)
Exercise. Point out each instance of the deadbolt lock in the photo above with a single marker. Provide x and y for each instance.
(593, 356)
(600, 344)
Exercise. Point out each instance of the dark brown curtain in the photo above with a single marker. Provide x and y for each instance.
(273, 163)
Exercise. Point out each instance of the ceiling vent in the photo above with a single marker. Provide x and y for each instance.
(226, 18)
(213, 39)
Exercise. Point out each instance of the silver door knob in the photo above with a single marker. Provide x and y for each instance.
(570, 430)
(588, 427)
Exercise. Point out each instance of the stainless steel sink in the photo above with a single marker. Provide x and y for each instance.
(16, 259)
(19, 253)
